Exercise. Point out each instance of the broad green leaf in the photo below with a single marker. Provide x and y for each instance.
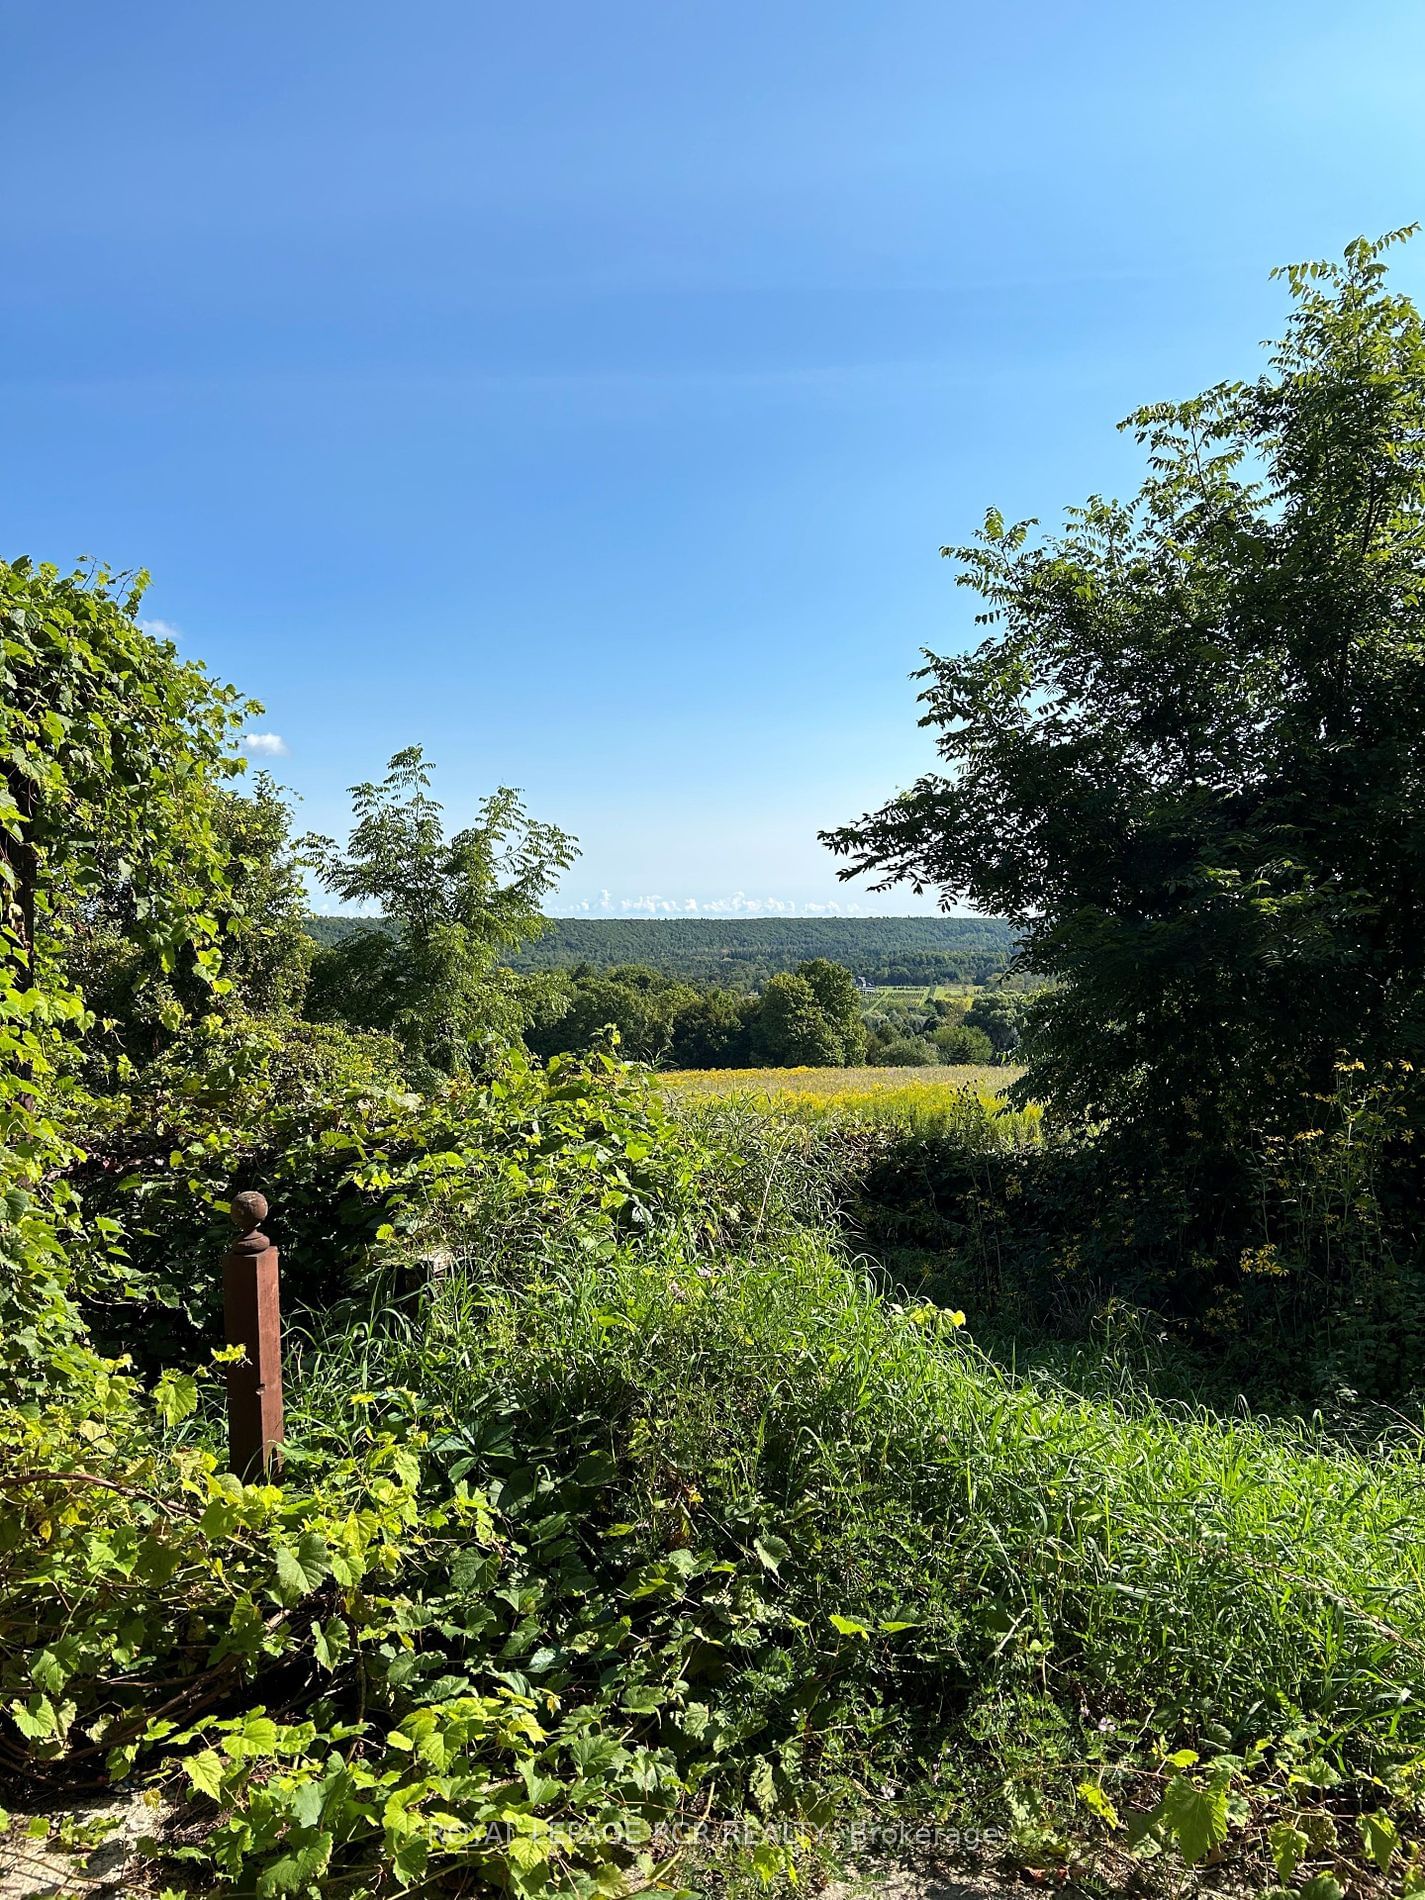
(409, 1860)
(205, 1771)
(849, 1626)
(1288, 1847)
(220, 1517)
(330, 1641)
(256, 1738)
(1321, 1887)
(34, 1719)
(303, 1567)
(1380, 1837)
(306, 1801)
(1196, 1817)
(118, 1762)
(294, 1873)
(762, 1784)
(642, 1699)
(49, 1671)
(175, 1397)
(1097, 1802)
(770, 1551)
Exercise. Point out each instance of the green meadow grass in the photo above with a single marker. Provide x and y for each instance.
(991, 1587)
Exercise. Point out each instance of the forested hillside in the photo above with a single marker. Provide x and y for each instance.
(740, 952)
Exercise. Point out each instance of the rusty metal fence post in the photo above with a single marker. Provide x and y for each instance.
(252, 1320)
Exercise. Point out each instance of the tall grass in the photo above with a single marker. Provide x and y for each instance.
(943, 1574)
(1145, 1570)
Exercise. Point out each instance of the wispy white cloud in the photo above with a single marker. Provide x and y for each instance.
(161, 630)
(267, 745)
(738, 905)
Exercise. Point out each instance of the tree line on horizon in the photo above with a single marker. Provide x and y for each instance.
(741, 953)
(755, 1011)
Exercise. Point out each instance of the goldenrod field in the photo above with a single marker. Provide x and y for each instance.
(851, 1082)
(920, 1099)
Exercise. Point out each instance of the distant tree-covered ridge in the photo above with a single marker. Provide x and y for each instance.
(742, 952)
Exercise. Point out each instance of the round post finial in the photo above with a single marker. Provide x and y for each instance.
(248, 1211)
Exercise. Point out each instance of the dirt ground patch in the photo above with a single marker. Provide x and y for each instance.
(90, 1853)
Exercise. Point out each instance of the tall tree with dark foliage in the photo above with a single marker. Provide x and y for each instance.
(1188, 757)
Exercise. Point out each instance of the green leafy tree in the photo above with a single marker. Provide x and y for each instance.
(1188, 758)
(961, 1042)
(713, 1032)
(638, 1002)
(808, 1017)
(114, 753)
(430, 972)
(267, 954)
(790, 1029)
(839, 1000)
(260, 914)
(999, 1017)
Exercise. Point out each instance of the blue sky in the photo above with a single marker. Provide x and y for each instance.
(584, 392)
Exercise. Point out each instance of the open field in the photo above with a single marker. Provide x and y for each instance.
(941, 1101)
(922, 994)
(827, 1082)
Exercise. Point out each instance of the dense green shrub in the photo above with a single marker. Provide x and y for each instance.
(116, 756)
(360, 1170)
(959, 1042)
(905, 1052)
(138, 1000)
(1295, 1273)
(1186, 756)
